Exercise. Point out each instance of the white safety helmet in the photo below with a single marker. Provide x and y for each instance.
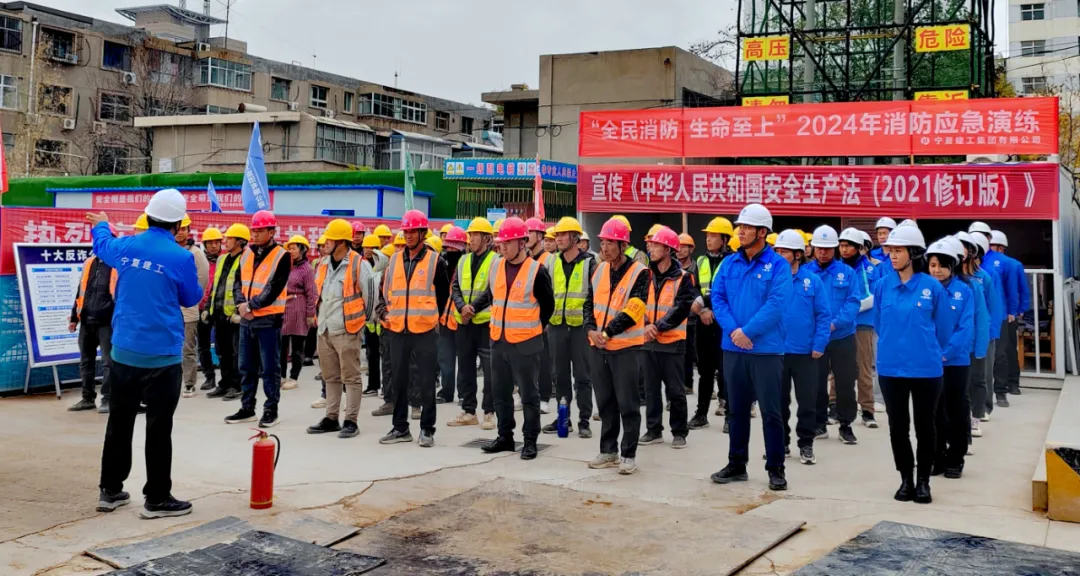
(866, 239)
(825, 237)
(979, 227)
(167, 205)
(906, 236)
(982, 242)
(942, 248)
(885, 222)
(998, 238)
(755, 215)
(957, 247)
(852, 235)
(791, 240)
(908, 222)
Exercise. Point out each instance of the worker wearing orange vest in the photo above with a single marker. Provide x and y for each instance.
(259, 294)
(455, 244)
(415, 287)
(92, 315)
(522, 300)
(538, 251)
(671, 294)
(615, 323)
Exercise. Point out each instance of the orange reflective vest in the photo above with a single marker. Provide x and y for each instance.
(86, 279)
(410, 303)
(355, 317)
(447, 319)
(543, 258)
(659, 307)
(253, 281)
(608, 303)
(514, 310)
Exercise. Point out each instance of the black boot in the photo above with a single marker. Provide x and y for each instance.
(922, 492)
(528, 451)
(209, 383)
(906, 492)
(500, 444)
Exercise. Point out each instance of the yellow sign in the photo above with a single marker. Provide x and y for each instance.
(766, 101)
(943, 38)
(766, 48)
(940, 95)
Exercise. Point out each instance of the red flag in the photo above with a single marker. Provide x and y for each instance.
(538, 192)
(3, 171)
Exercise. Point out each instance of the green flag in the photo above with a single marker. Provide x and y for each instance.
(410, 181)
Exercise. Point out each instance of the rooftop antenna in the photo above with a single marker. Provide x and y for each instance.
(395, 78)
(183, 4)
(205, 7)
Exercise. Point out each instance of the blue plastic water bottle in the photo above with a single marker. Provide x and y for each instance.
(564, 418)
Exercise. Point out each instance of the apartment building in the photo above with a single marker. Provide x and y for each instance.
(71, 87)
(1044, 46)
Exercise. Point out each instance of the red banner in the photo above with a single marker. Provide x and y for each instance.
(41, 225)
(231, 201)
(900, 128)
(990, 191)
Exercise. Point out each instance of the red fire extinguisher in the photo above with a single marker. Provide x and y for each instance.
(264, 458)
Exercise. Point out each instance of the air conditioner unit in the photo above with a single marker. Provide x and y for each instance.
(128, 78)
(202, 47)
(98, 128)
(294, 106)
(69, 123)
(327, 113)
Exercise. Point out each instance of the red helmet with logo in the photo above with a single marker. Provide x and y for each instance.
(358, 227)
(667, 237)
(513, 229)
(263, 219)
(414, 220)
(456, 234)
(535, 225)
(615, 230)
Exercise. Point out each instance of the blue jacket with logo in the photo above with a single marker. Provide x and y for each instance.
(872, 276)
(752, 295)
(959, 312)
(996, 301)
(982, 318)
(845, 289)
(912, 326)
(155, 277)
(1014, 284)
(807, 316)
(879, 254)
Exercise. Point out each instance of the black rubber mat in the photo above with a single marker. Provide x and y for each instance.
(257, 554)
(481, 442)
(890, 549)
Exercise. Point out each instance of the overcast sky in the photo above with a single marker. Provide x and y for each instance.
(452, 49)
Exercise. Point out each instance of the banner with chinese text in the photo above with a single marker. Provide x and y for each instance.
(989, 191)
(765, 48)
(766, 101)
(196, 200)
(941, 95)
(49, 276)
(943, 38)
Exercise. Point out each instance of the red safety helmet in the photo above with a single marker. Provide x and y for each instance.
(456, 234)
(358, 226)
(513, 229)
(414, 220)
(615, 230)
(667, 237)
(263, 219)
(535, 225)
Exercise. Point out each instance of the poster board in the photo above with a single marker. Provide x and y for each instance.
(49, 276)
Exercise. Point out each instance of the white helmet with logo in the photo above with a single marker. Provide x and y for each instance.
(791, 240)
(906, 236)
(982, 242)
(825, 237)
(885, 222)
(943, 247)
(957, 246)
(908, 222)
(979, 227)
(998, 238)
(755, 215)
(167, 205)
(852, 235)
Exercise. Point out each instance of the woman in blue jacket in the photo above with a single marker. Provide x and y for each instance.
(913, 330)
(806, 320)
(981, 285)
(954, 406)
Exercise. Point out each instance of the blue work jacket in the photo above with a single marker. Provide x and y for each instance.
(911, 325)
(752, 295)
(807, 316)
(845, 288)
(959, 312)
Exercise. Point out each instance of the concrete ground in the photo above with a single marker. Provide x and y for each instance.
(50, 458)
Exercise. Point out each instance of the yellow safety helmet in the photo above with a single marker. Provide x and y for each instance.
(445, 228)
(370, 241)
(652, 231)
(427, 234)
(719, 225)
(322, 240)
(498, 224)
(211, 234)
(388, 250)
(383, 231)
(338, 229)
(399, 240)
(186, 221)
(435, 242)
(550, 233)
(623, 219)
(238, 231)
(298, 239)
(734, 243)
(141, 223)
(480, 225)
(568, 224)
(771, 239)
(686, 240)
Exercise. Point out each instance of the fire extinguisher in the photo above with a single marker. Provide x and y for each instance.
(264, 459)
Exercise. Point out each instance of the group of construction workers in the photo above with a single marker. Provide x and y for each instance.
(760, 314)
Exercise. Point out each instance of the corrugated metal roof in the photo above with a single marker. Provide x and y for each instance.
(422, 137)
(182, 13)
(343, 123)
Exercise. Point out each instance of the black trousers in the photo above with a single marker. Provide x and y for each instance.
(615, 379)
(1006, 348)
(665, 368)
(512, 366)
(227, 342)
(447, 363)
(372, 348)
(923, 394)
(474, 340)
(159, 388)
(954, 417)
(547, 375)
(412, 357)
(803, 370)
(202, 340)
(977, 391)
(570, 348)
(755, 377)
(840, 358)
(311, 343)
(91, 336)
(1014, 360)
(690, 355)
(710, 361)
(296, 344)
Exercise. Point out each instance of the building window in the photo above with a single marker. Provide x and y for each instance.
(50, 154)
(224, 74)
(112, 160)
(414, 112)
(424, 154)
(319, 96)
(116, 56)
(9, 143)
(442, 121)
(466, 125)
(1033, 85)
(211, 109)
(1033, 47)
(115, 108)
(280, 88)
(9, 92)
(10, 34)
(61, 46)
(1032, 12)
(55, 99)
(344, 145)
(167, 67)
(376, 104)
(348, 102)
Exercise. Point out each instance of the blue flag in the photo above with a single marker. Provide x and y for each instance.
(211, 193)
(254, 191)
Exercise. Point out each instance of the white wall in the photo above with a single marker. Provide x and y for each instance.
(394, 204)
(312, 202)
(74, 200)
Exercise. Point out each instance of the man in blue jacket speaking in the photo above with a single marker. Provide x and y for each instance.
(750, 292)
(155, 278)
